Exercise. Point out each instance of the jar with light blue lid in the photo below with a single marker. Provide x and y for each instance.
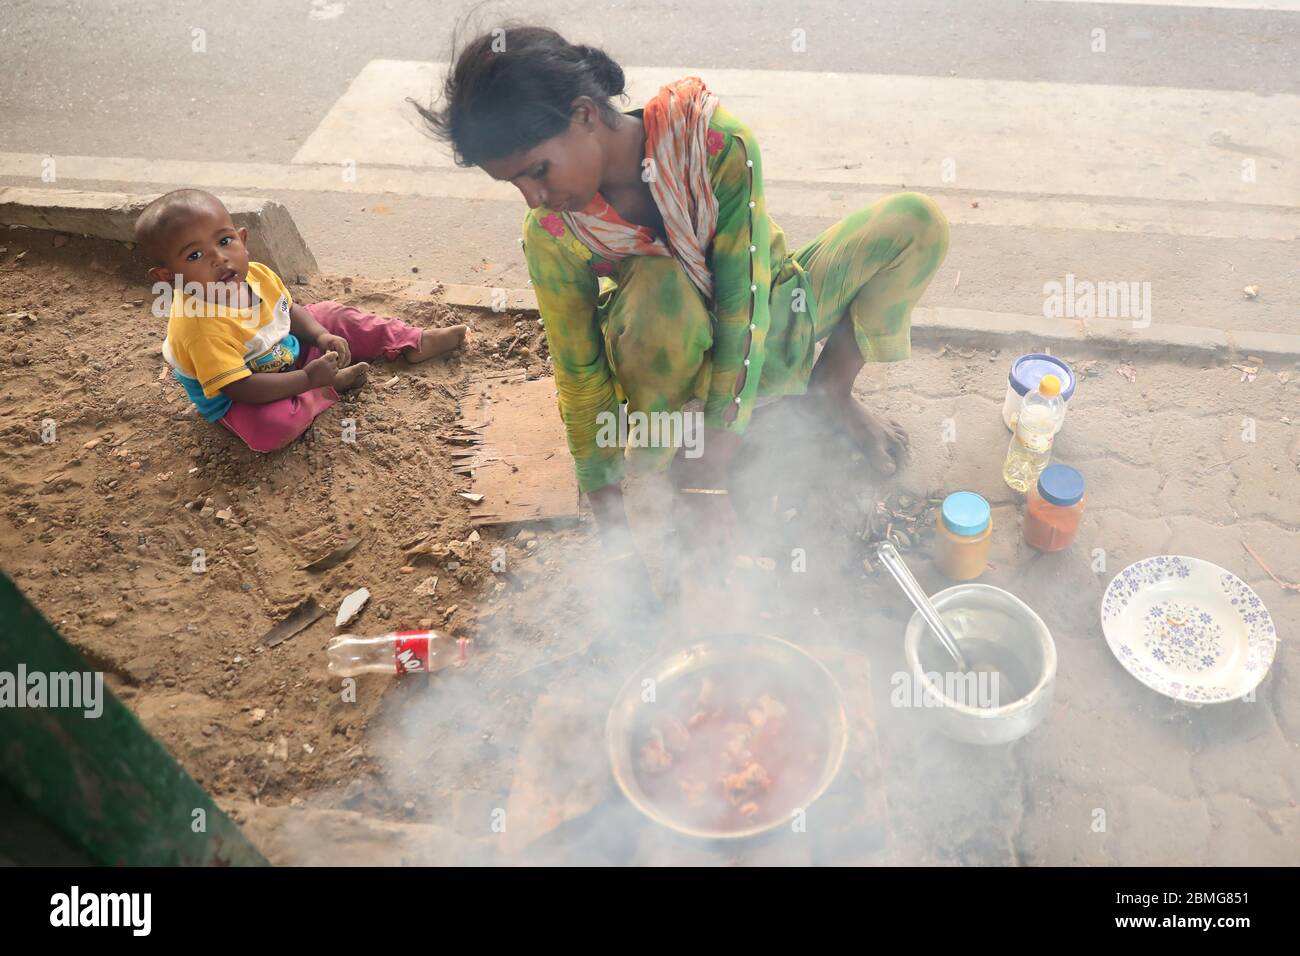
(965, 526)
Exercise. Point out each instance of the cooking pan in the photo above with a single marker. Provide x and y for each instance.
(803, 679)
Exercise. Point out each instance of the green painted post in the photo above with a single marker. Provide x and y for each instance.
(113, 793)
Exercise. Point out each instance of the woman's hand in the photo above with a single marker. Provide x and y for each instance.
(328, 342)
(708, 518)
(628, 573)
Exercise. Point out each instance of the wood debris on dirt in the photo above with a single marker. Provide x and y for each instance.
(334, 558)
(300, 618)
(1128, 372)
(903, 519)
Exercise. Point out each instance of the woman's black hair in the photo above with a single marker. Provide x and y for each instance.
(513, 87)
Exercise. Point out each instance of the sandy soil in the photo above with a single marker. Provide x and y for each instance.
(99, 525)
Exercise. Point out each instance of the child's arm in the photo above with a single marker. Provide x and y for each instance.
(310, 332)
(262, 387)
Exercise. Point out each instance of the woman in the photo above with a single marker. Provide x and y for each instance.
(661, 280)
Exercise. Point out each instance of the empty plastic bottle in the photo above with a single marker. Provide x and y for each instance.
(403, 652)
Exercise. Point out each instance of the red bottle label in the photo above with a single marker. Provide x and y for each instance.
(411, 651)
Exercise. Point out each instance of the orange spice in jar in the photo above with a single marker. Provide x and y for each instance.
(1054, 508)
(961, 548)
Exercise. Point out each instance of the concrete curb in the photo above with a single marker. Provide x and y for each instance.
(273, 238)
(977, 327)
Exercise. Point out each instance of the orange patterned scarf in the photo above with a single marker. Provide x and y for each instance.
(677, 143)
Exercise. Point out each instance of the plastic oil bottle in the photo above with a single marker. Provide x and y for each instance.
(1041, 414)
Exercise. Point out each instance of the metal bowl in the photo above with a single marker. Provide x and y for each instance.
(819, 696)
(979, 613)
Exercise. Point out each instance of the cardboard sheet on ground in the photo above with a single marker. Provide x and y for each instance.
(515, 449)
(857, 801)
(562, 771)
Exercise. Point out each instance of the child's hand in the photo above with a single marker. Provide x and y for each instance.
(321, 371)
(335, 343)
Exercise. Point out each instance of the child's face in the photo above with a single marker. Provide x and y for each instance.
(562, 173)
(208, 249)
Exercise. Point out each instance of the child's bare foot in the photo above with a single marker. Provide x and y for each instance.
(354, 376)
(434, 342)
(882, 439)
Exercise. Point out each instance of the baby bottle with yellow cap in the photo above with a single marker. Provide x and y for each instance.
(1041, 413)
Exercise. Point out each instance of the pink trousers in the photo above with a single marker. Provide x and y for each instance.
(272, 425)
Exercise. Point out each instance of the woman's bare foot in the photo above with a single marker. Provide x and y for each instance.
(434, 342)
(883, 440)
(354, 376)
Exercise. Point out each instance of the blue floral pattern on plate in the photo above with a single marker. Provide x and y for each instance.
(1182, 636)
(1187, 632)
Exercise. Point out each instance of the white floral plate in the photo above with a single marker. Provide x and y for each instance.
(1188, 629)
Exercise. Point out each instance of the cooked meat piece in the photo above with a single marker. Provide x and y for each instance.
(697, 718)
(654, 758)
(675, 736)
(693, 791)
(737, 751)
(705, 699)
(746, 784)
(748, 809)
(768, 714)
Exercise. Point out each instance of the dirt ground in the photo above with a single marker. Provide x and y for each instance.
(96, 531)
(100, 525)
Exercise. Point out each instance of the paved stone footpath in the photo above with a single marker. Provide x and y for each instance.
(1117, 774)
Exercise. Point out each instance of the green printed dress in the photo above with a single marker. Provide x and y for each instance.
(639, 331)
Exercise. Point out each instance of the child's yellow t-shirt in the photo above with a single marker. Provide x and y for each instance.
(209, 346)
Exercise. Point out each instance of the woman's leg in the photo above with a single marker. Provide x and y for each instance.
(375, 336)
(658, 333)
(868, 271)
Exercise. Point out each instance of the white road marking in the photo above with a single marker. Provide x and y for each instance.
(1276, 5)
(786, 200)
(1004, 136)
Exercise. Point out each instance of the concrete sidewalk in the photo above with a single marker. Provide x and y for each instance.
(1117, 774)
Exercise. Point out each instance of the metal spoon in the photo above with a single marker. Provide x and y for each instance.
(893, 561)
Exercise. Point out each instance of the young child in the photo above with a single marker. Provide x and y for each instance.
(248, 356)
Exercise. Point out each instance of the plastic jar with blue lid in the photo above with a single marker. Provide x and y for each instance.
(1054, 508)
(965, 525)
(1026, 372)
